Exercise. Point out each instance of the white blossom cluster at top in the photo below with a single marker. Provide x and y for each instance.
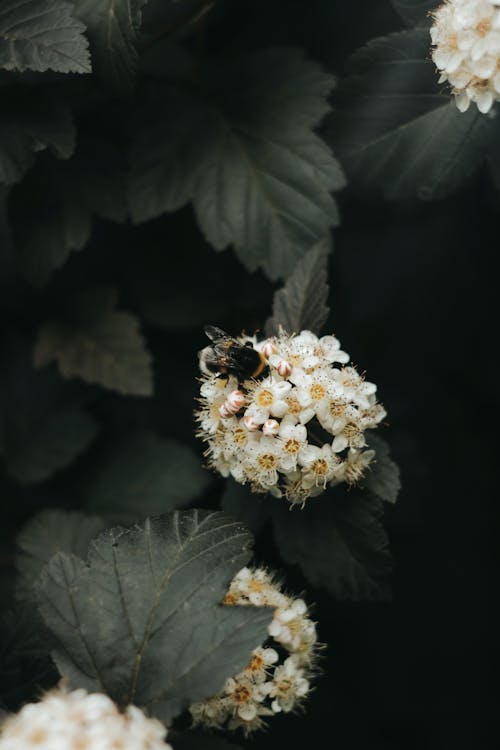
(277, 678)
(466, 40)
(299, 429)
(76, 720)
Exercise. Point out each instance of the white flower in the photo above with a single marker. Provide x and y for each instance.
(275, 679)
(74, 720)
(289, 685)
(289, 432)
(293, 438)
(466, 50)
(268, 399)
(320, 465)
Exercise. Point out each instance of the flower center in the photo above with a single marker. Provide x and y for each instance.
(268, 461)
(284, 686)
(351, 431)
(483, 26)
(256, 664)
(317, 392)
(292, 446)
(320, 467)
(241, 694)
(265, 398)
(240, 436)
(294, 359)
(337, 408)
(230, 599)
(293, 406)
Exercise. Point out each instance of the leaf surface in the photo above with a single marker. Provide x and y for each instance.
(142, 621)
(395, 131)
(302, 303)
(339, 543)
(42, 35)
(258, 175)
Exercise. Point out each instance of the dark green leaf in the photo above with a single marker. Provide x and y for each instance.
(104, 346)
(302, 303)
(396, 132)
(54, 206)
(415, 12)
(113, 29)
(52, 446)
(31, 121)
(258, 175)
(51, 531)
(248, 507)
(383, 476)
(145, 476)
(142, 621)
(42, 35)
(340, 544)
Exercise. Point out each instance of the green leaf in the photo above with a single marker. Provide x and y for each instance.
(143, 476)
(339, 543)
(248, 507)
(415, 12)
(142, 621)
(395, 131)
(113, 29)
(48, 532)
(103, 346)
(259, 177)
(302, 303)
(383, 478)
(31, 121)
(42, 35)
(55, 443)
(53, 207)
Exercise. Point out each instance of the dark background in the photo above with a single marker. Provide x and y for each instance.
(413, 301)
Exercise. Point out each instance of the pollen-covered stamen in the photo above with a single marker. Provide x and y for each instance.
(264, 398)
(268, 461)
(317, 392)
(291, 446)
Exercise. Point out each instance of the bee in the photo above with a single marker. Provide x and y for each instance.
(227, 356)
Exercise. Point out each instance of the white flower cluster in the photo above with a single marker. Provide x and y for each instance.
(80, 721)
(278, 676)
(298, 429)
(466, 39)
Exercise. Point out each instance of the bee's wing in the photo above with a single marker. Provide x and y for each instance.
(216, 334)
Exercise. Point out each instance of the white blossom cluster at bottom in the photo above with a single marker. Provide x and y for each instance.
(80, 721)
(277, 678)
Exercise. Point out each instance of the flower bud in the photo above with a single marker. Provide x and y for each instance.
(270, 428)
(225, 411)
(284, 368)
(235, 401)
(269, 348)
(250, 423)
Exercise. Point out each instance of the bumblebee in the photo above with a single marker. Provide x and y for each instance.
(227, 356)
